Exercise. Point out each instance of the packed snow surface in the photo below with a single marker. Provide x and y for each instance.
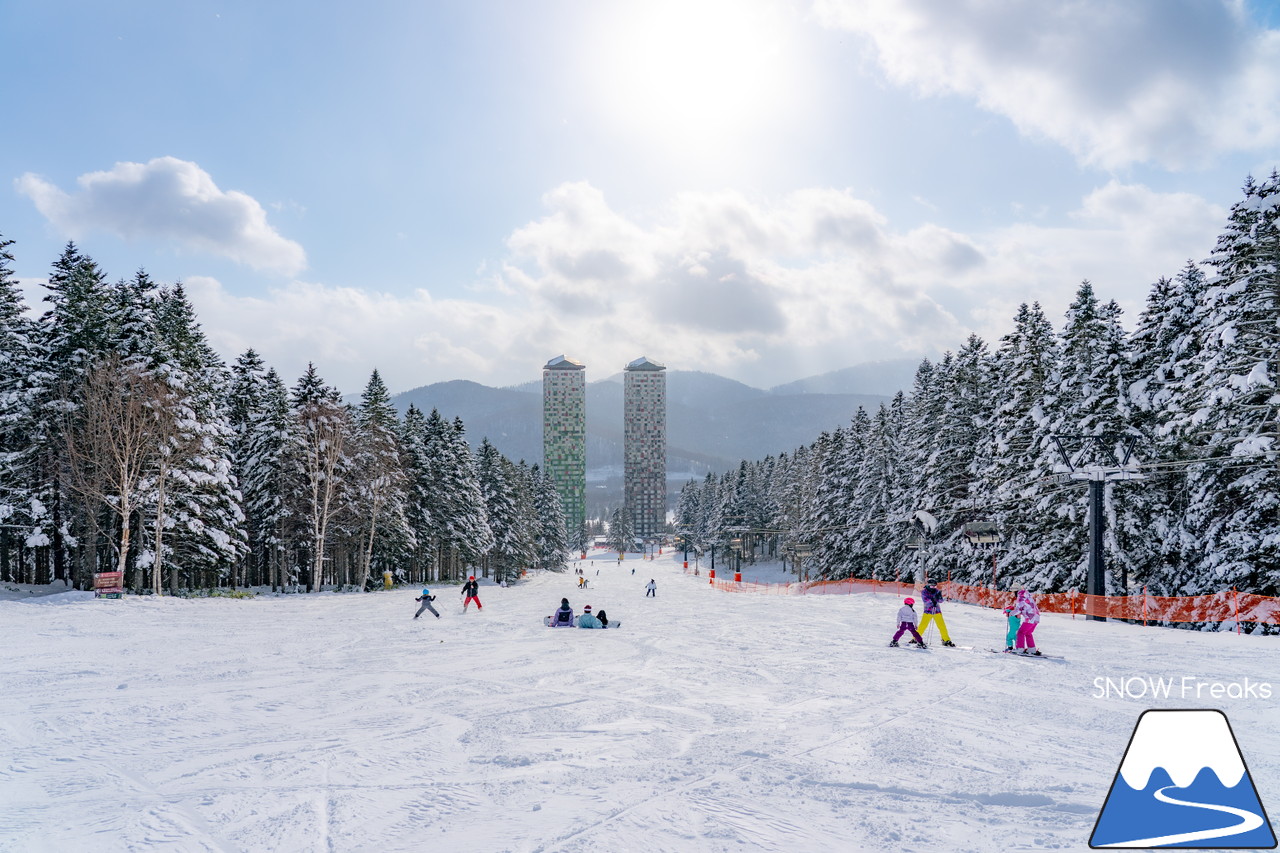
(711, 721)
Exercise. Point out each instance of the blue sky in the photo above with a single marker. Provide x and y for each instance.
(765, 190)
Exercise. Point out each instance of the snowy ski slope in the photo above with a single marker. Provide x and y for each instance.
(712, 721)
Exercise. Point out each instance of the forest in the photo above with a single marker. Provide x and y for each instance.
(126, 444)
(1184, 407)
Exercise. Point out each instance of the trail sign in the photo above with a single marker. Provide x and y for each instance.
(108, 585)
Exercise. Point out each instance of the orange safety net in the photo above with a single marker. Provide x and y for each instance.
(1226, 606)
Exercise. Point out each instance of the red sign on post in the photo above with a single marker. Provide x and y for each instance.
(108, 585)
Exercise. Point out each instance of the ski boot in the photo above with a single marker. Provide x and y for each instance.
(1036, 652)
(893, 644)
(948, 644)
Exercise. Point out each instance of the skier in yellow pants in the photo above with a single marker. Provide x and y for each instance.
(933, 612)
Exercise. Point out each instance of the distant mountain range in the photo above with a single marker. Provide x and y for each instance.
(712, 423)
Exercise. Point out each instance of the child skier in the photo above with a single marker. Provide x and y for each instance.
(1029, 613)
(1012, 624)
(907, 622)
(933, 612)
(471, 590)
(426, 598)
(651, 588)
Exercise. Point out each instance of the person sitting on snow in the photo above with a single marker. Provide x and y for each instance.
(588, 619)
(907, 622)
(933, 612)
(562, 618)
(604, 620)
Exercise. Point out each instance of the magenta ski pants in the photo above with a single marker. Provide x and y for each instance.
(903, 627)
(1025, 640)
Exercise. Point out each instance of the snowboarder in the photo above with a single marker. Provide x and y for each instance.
(651, 588)
(426, 598)
(604, 619)
(907, 622)
(933, 612)
(1029, 613)
(1012, 623)
(471, 590)
(562, 618)
(588, 619)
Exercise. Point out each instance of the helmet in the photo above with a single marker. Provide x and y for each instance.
(473, 577)
(908, 601)
(426, 592)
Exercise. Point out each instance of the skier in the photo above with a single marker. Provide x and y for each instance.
(563, 618)
(1012, 622)
(633, 570)
(426, 598)
(933, 612)
(471, 590)
(651, 588)
(588, 619)
(907, 622)
(1029, 613)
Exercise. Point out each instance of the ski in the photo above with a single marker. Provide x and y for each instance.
(1040, 656)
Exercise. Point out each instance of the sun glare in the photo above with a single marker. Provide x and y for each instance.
(697, 73)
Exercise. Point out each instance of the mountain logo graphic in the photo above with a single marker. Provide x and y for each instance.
(1183, 784)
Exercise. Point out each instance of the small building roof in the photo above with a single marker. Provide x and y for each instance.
(643, 363)
(562, 362)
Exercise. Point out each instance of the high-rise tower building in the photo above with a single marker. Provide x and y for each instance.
(644, 442)
(564, 437)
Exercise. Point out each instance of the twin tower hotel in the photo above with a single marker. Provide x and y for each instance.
(644, 440)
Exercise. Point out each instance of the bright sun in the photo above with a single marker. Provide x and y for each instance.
(696, 73)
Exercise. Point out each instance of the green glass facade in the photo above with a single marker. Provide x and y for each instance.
(644, 441)
(564, 436)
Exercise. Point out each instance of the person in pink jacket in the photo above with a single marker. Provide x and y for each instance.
(1026, 610)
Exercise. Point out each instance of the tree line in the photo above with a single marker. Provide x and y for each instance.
(126, 444)
(1193, 388)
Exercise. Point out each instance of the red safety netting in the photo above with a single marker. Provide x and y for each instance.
(1226, 606)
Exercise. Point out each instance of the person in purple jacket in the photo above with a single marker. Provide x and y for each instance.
(907, 622)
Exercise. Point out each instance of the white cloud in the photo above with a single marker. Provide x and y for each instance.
(1166, 81)
(167, 199)
(764, 291)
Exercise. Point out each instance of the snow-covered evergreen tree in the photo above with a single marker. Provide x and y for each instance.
(378, 492)
(551, 542)
(1234, 404)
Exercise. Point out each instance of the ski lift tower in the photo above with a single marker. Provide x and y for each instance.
(1097, 459)
(922, 524)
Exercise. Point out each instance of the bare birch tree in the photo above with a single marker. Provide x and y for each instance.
(320, 438)
(112, 442)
